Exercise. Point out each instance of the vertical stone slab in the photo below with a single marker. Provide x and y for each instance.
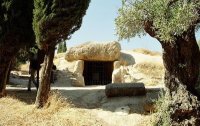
(79, 67)
(78, 72)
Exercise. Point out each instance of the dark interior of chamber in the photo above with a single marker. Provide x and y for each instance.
(97, 72)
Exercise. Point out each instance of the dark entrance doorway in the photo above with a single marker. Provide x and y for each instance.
(97, 72)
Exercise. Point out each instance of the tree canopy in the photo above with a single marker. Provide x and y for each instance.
(57, 20)
(16, 21)
(167, 18)
(15, 32)
(53, 22)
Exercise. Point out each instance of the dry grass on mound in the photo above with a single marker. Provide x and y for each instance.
(57, 112)
(59, 55)
(147, 52)
(152, 69)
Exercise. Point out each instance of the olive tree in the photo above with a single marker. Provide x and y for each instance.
(173, 23)
(53, 22)
(15, 32)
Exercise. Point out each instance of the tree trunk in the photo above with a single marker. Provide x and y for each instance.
(8, 75)
(44, 86)
(6, 56)
(4, 69)
(181, 61)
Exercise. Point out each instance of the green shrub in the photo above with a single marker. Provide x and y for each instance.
(162, 115)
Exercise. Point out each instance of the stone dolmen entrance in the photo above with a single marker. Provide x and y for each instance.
(94, 62)
(99, 64)
(98, 73)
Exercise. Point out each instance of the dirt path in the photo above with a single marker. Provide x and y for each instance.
(119, 111)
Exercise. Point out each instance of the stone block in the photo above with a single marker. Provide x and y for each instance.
(125, 89)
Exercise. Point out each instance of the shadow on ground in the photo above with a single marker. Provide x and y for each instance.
(89, 97)
(92, 97)
(23, 95)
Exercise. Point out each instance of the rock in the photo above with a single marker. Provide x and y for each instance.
(126, 59)
(118, 75)
(121, 74)
(79, 67)
(117, 65)
(126, 89)
(15, 73)
(129, 79)
(94, 52)
(78, 81)
(124, 110)
(24, 72)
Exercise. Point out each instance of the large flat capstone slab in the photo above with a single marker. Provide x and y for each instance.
(125, 89)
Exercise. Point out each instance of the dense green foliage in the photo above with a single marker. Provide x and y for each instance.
(162, 115)
(16, 32)
(55, 20)
(168, 18)
(22, 56)
(62, 47)
(16, 22)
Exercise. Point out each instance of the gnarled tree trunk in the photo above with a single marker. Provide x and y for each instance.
(44, 86)
(181, 61)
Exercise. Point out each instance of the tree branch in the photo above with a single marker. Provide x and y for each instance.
(148, 27)
(171, 2)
